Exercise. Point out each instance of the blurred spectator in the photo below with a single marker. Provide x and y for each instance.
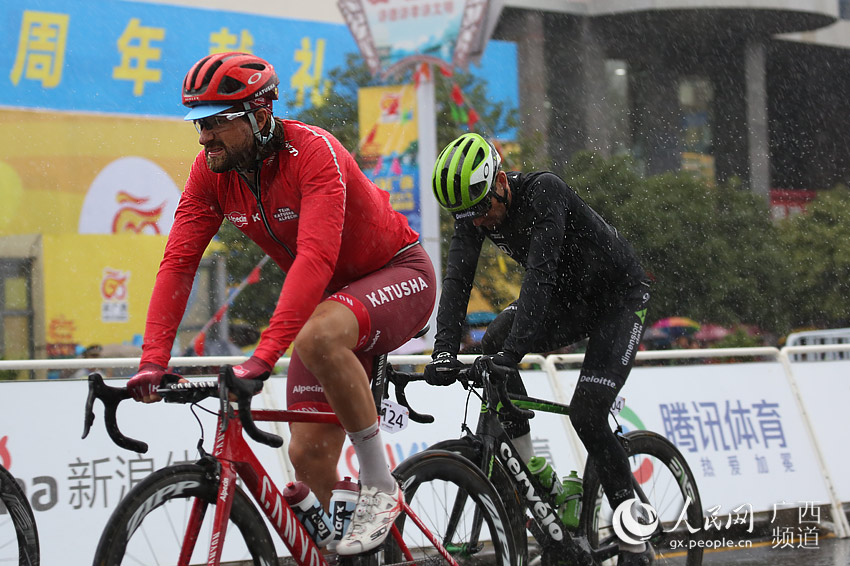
(92, 351)
(115, 350)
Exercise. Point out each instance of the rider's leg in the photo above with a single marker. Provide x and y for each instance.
(609, 358)
(326, 346)
(368, 317)
(314, 451)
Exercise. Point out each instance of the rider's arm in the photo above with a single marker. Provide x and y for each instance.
(322, 182)
(464, 250)
(196, 221)
(549, 199)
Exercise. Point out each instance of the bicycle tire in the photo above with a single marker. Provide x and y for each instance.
(21, 516)
(432, 481)
(668, 482)
(132, 532)
(501, 480)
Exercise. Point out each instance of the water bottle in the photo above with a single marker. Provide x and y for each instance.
(570, 511)
(309, 511)
(344, 498)
(548, 478)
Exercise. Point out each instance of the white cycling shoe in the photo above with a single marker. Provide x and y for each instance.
(373, 518)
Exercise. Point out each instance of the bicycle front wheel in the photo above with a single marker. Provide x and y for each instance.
(457, 503)
(669, 486)
(150, 523)
(514, 504)
(18, 532)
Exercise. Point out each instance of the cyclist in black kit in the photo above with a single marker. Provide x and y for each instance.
(582, 280)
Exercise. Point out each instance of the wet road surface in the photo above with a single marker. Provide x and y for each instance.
(829, 551)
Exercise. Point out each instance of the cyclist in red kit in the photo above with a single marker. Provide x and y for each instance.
(358, 283)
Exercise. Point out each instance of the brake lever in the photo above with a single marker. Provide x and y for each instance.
(245, 389)
(111, 397)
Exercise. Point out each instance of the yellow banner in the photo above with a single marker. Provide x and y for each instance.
(97, 289)
(63, 173)
(389, 137)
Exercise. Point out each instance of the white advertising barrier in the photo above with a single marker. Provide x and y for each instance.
(745, 429)
(74, 484)
(825, 391)
(738, 427)
(747, 438)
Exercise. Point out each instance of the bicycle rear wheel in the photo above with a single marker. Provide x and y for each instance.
(669, 485)
(18, 532)
(450, 495)
(149, 524)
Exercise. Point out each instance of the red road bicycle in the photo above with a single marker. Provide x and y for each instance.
(165, 517)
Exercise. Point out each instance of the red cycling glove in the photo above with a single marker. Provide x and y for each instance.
(144, 384)
(253, 368)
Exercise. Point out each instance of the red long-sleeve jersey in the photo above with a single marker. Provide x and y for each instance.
(316, 215)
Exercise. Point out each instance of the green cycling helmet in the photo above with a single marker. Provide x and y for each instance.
(464, 174)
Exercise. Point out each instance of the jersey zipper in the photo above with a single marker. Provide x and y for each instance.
(255, 190)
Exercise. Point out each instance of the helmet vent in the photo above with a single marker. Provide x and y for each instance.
(229, 85)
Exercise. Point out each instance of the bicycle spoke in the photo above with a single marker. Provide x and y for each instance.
(152, 524)
(664, 480)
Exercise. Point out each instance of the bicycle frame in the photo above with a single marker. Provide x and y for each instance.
(550, 532)
(236, 458)
(232, 458)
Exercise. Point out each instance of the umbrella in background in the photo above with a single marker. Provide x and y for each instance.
(712, 333)
(675, 326)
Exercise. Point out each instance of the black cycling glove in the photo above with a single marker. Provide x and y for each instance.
(443, 369)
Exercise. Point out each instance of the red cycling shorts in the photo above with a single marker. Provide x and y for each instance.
(391, 304)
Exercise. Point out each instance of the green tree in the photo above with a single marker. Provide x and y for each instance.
(817, 244)
(712, 251)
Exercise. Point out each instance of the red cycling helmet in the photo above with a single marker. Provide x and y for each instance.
(220, 81)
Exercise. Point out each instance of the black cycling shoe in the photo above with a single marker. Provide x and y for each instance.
(644, 558)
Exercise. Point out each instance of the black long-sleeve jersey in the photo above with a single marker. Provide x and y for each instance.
(567, 249)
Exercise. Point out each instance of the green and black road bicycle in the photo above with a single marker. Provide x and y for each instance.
(662, 479)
